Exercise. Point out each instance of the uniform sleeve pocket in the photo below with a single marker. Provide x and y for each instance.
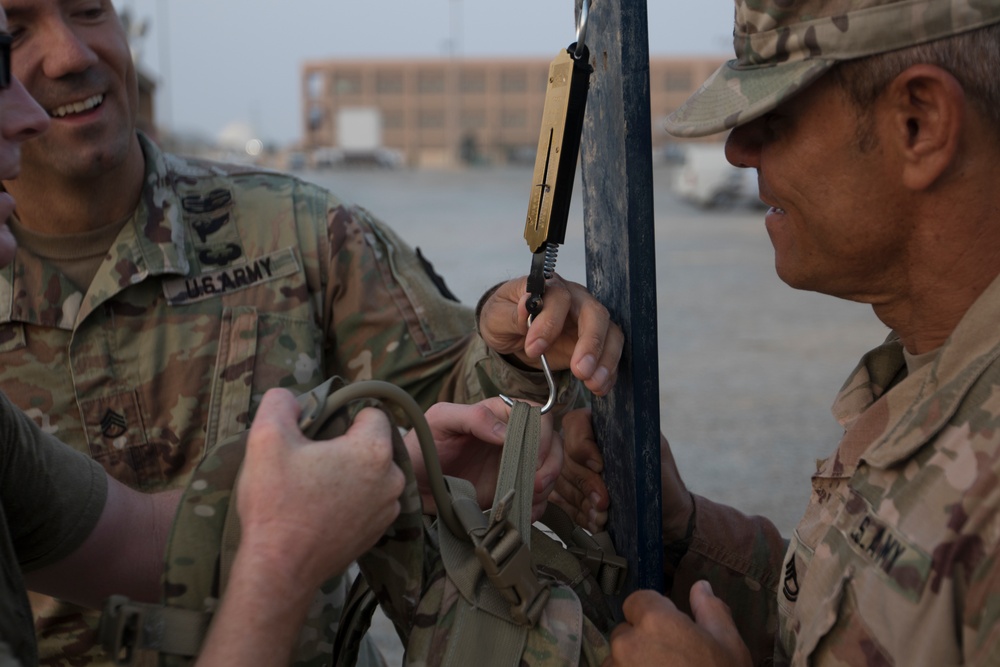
(837, 631)
(821, 621)
(433, 319)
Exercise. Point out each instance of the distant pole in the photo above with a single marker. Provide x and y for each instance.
(455, 29)
(163, 44)
(617, 175)
(452, 83)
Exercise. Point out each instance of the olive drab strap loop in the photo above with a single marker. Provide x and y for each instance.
(503, 608)
(127, 627)
(518, 463)
(504, 550)
(500, 594)
(513, 603)
(499, 545)
(506, 561)
(594, 551)
(319, 405)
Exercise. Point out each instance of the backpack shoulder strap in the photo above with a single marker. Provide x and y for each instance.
(513, 598)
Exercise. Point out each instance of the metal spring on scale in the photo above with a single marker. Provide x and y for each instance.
(551, 255)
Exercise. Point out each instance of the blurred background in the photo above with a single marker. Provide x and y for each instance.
(428, 114)
(222, 64)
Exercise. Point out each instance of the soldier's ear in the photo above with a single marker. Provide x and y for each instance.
(924, 113)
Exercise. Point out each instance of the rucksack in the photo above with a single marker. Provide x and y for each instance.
(466, 589)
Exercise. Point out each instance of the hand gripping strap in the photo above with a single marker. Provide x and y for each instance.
(511, 598)
(498, 546)
(494, 615)
(205, 534)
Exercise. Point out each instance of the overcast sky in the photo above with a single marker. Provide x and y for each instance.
(224, 61)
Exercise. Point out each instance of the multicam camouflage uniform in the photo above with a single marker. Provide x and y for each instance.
(227, 281)
(896, 561)
(428, 581)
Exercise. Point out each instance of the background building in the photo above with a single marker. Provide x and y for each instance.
(446, 111)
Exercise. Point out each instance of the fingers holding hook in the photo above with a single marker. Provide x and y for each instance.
(548, 379)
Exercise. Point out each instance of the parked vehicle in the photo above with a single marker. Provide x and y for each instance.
(707, 180)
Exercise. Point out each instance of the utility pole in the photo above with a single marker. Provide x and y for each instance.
(163, 42)
(617, 174)
(452, 82)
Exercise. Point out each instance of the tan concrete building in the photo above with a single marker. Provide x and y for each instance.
(440, 112)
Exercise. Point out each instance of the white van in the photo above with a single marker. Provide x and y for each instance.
(707, 180)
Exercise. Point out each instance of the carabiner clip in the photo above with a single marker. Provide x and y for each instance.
(581, 31)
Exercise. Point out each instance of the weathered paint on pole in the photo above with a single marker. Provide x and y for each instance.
(617, 180)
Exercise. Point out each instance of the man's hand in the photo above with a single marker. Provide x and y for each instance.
(580, 490)
(574, 331)
(315, 506)
(655, 633)
(307, 509)
(469, 441)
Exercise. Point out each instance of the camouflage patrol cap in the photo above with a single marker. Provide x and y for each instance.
(784, 45)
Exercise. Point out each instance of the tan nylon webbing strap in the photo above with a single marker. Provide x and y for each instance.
(507, 639)
(596, 551)
(127, 626)
(481, 611)
(518, 465)
(461, 564)
(479, 639)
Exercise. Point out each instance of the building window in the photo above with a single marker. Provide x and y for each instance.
(677, 81)
(435, 140)
(393, 119)
(315, 117)
(346, 83)
(314, 85)
(430, 82)
(431, 119)
(473, 119)
(513, 82)
(513, 118)
(473, 82)
(389, 83)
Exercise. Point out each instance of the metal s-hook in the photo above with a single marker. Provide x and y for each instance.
(548, 378)
(581, 31)
(555, 169)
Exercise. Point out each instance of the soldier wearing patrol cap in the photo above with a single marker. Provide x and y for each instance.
(874, 127)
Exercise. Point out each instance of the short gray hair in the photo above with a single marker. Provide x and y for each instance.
(973, 58)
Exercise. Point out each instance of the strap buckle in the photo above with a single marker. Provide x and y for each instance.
(608, 569)
(506, 560)
(121, 628)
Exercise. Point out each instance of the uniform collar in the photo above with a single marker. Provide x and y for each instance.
(921, 404)
(151, 243)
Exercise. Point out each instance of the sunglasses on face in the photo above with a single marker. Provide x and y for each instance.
(5, 41)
